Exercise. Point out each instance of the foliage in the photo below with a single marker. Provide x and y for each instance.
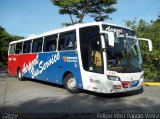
(98, 9)
(5, 38)
(151, 60)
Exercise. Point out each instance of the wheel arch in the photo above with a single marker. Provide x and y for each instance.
(18, 68)
(65, 74)
(67, 78)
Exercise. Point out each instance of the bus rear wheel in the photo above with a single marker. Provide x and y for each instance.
(19, 75)
(70, 83)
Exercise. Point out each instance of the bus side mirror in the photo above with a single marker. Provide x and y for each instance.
(111, 37)
(149, 43)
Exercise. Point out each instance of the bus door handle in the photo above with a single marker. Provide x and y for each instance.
(60, 67)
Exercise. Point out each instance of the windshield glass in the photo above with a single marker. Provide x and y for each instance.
(125, 56)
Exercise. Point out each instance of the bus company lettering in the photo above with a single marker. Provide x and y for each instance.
(42, 66)
(28, 68)
(115, 30)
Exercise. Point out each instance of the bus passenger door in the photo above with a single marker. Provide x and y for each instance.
(95, 59)
(95, 65)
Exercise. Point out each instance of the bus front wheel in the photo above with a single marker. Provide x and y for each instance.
(70, 83)
(19, 75)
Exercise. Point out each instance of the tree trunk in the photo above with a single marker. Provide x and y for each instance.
(81, 18)
(71, 18)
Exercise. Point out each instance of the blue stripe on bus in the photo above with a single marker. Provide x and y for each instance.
(51, 67)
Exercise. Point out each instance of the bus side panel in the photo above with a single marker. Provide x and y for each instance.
(52, 66)
(18, 61)
(69, 62)
(11, 65)
(43, 67)
(47, 66)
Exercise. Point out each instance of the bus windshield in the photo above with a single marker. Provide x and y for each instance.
(125, 56)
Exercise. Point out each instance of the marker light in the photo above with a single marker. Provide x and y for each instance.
(116, 86)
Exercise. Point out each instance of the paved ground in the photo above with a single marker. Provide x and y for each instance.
(29, 99)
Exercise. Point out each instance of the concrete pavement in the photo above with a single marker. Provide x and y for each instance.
(33, 98)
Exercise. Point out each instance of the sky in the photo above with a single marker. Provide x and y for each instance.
(26, 17)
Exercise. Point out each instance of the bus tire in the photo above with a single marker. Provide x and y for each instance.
(70, 83)
(19, 75)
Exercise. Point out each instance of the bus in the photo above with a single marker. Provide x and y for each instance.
(98, 57)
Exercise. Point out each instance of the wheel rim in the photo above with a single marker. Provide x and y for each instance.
(71, 83)
(19, 75)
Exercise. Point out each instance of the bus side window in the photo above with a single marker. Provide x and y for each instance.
(71, 42)
(18, 48)
(12, 49)
(50, 43)
(27, 47)
(67, 41)
(39, 48)
(37, 45)
(61, 43)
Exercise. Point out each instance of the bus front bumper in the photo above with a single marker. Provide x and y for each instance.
(122, 86)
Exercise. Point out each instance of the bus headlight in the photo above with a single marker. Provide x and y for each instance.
(114, 78)
(142, 76)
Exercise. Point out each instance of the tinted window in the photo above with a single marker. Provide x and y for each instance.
(18, 48)
(12, 49)
(50, 43)
(37, 45)
(67, 41)
(27, 47)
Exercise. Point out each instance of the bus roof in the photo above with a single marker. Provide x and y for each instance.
(64, 29)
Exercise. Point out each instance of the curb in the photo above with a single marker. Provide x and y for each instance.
(151, 83)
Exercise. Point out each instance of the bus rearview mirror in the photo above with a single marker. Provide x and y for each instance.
(149, 43)
(111, 37)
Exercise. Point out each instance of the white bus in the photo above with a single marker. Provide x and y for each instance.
(98, 57)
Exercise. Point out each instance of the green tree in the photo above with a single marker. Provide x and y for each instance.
(151, 60)
(98, 9)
